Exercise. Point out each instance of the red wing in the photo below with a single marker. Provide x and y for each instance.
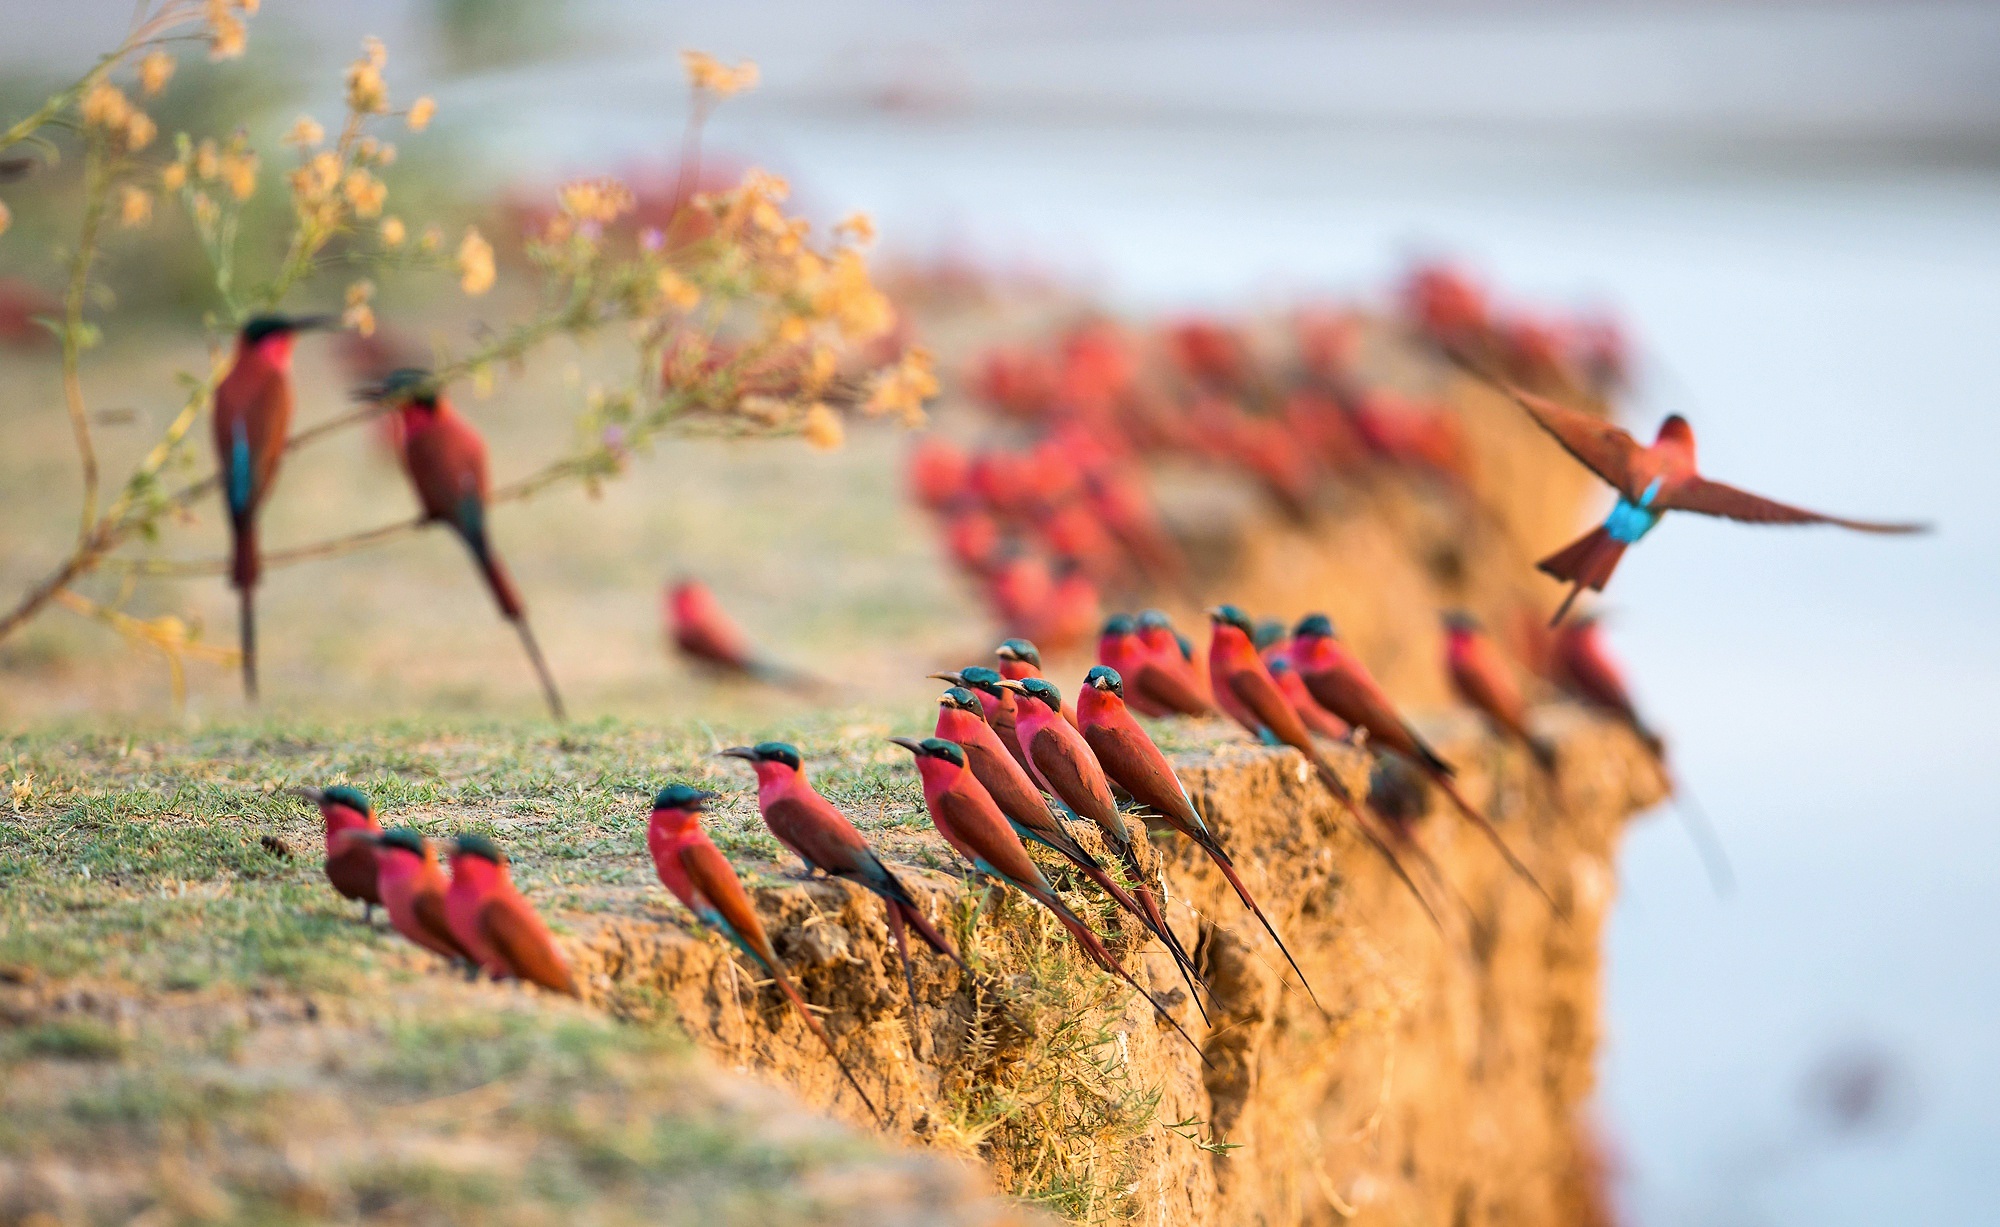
(716, 879)
(429, 909)
(524, 945)
(1603, 448)
(1060, 763)
(1714, 498)
(1146, 775)
(1257, 692)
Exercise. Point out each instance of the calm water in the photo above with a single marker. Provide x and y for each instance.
(1796, 209)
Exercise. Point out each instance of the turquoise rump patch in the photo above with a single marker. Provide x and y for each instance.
(1630, 521)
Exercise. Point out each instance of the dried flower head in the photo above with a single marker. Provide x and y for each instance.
(393, 232)
(359, 315)
(226, 32)
(135, 206)
(422, 111)
(595, 200)
(364, 192)
(678, 291)
(711, 76)
(857, 226)
(139, 130)
(367, 93)
(821, 427)
(475, 263)
(173, 176)
(206, 160)
(238, 170)
(155, 71)
(902, 389)
(305, 133)
(106, 107)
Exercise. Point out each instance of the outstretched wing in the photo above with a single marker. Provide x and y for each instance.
(1714, 498)
(524, 945)
(1604, 449)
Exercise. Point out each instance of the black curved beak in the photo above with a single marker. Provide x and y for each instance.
(1008, 683)
(956, 679)
(911, 744)
(313, 795)
(745, 753)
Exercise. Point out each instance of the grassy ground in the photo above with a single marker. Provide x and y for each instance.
(196, 1027)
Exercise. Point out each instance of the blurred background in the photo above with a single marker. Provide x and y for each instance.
(1795, 208)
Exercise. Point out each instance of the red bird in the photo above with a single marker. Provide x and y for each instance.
(705, 635)
(1650, 481)
(495, 925)
(1021, 660)
(699, 875)
(1343, 685)
(1061, 761)
(1249, 695)
(962, 722)
(1483, 679)
(1131, 759)
(1177, 678)
(1275, 646)
(413, 892)
(968, 819)
(446, 461)
(351, 863)
(996, 702)
(820, 835)
(1119, 648)
(253, 421)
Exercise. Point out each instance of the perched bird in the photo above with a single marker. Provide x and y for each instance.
(446, 461)
(820, 835)
(1174, 654)
(1583, 667)
(1248, 694)
(691, 866)
(996, 701)
(964, 813)
(1339, 680)
(1061, 761)
(253, 421)
(1021, 660)
(962, 721)
(707, 637)
(1154, 686)
(1275, 646)
(495, 925)
(1130, 759)
(1484, 680)
(413, 889)
(351, 863)
(1651, 481)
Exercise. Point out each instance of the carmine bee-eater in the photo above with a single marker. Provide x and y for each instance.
(699, 875)
(1061, 761)
(820, 835)
(1155, 687)
(253, 421)
(495, 925)
(1249, 695)
(351, 863)
(413, 889)
(1583, 667)
(1021, 660)
(446, 461)
(1343, 685)
(996, 701)
(1485, 681)
(1174, 655)
(961, 721)
(1650, 480)
(964, 813)
(706, 635)
(1275, 646)
(1131, 759)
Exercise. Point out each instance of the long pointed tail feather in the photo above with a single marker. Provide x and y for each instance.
(1094, 947)
(1586, 562)
(799, 1003)
(548, 680)
(1492, 833)
(1331, 781)
(1243, 893)
(926, 930)
(1707, 843)
(1093, 869)
(895, 911)
(246, 621)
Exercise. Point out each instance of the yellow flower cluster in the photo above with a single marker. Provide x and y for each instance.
(367, 93)
(155, 71)
(233, 165)
(821, 427)
(679, 293)
(857, 227)
(226, 32)
(305, 133)
(711, 76)
(135, 206)
(475, 262)
(903, 388)
(359, 315)
(393, 232)
(107, 109)
(364, 192)
(595, 200)
(422, 111)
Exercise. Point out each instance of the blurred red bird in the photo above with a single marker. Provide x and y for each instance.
(705, 635)
(413, 889)
(253, 421)
(350, 858)
(697, 873)
(1020, 660)
(1650, 480)
(495, 925)
(446, 461)
(1485, 681)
